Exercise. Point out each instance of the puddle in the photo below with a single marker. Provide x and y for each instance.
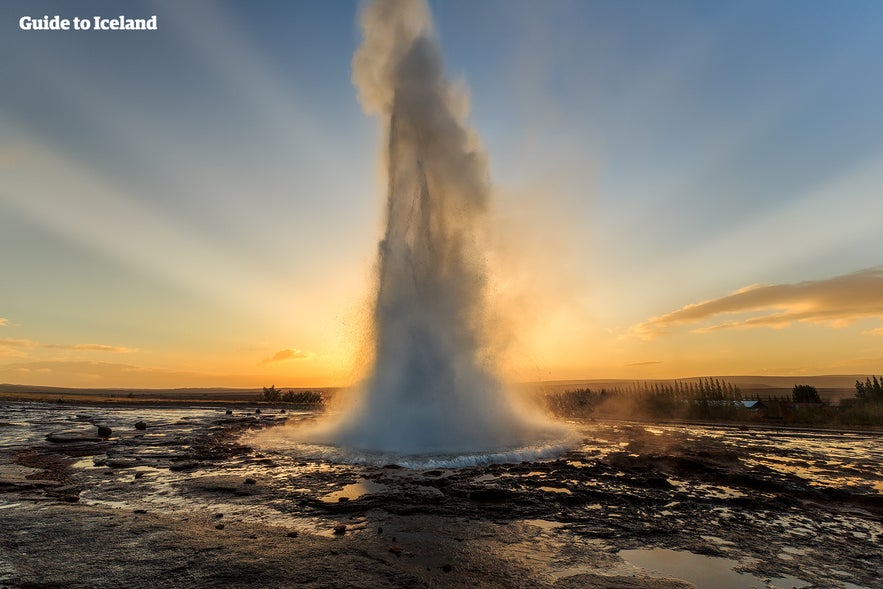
(544, 524)
(705, 572)
(354, 491)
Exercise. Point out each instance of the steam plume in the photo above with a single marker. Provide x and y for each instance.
(431, 389)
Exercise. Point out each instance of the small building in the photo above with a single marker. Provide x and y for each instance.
(753, 405)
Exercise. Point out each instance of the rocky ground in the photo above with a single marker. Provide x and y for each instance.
(182, 500)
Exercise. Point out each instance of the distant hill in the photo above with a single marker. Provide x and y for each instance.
(830, 386)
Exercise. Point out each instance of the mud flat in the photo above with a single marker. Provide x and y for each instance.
(183, 501)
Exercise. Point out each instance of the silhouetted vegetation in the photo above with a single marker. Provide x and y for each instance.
(711, 399)
(870, 391)
(804, 393)
(273, 395)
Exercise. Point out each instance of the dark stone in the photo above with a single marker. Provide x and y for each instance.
(250, 481)
(71, 498)
(140, 425)
(229, 412)
(397, 550)
(491, 495)
(283, 411)
(379, 530)
(139, 475)
(104, 431)
(343, 499)
(291, 534)
(340, 529)
(219, 515)
(140, 511)
(219, 527)
(257, 411)
(447, 568)
(71, 437)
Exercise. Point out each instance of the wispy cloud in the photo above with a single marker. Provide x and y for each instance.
(837, 301)
(287, 354)
(647, 363)
(3, 321)
(26, 343)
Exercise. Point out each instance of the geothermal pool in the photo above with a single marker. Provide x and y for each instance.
(631, 505)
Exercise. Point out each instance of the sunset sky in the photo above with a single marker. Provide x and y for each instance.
(681, 189)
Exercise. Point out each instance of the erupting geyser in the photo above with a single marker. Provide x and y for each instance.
(432, 389)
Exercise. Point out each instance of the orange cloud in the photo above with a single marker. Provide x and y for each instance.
(3, 321)
(837, 301)
(287, 354)
(26, 343)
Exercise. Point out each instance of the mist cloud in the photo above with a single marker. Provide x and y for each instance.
(837, 301)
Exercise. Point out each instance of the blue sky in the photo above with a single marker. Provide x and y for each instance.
(202, 197)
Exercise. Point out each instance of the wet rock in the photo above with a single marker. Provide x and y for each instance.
(140, 425)
(492, 495)
(72, 437)
(104, 431)
(121, 463)
(184, 465)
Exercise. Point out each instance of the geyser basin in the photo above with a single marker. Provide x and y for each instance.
(432, 389)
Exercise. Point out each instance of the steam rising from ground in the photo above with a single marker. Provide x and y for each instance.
(432, 388)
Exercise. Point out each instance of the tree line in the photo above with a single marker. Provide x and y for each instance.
(869, 391)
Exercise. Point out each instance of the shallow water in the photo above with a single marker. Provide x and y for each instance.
(704, 500)
(705, 572)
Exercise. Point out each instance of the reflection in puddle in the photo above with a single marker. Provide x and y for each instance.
(354, 491)
(543, 524)
(556, 490)
(706, 572)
